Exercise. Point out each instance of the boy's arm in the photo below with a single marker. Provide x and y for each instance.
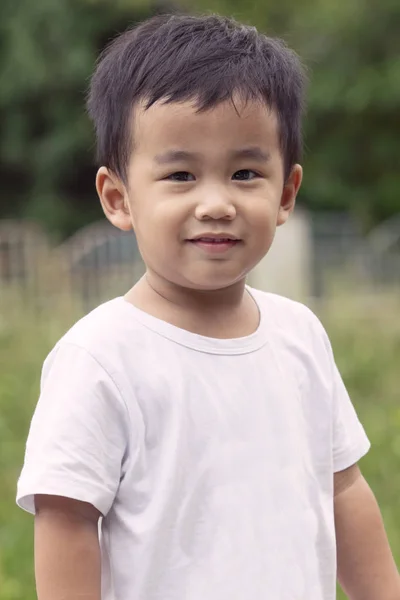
(67, 552)
(366, 569)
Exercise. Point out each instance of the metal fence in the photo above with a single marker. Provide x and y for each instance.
(344, 257)
(100, 262)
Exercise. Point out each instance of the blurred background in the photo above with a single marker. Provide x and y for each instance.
(340, 254)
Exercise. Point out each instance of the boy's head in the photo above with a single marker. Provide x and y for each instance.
(198, 123)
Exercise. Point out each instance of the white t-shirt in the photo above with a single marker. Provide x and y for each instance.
(211, 460)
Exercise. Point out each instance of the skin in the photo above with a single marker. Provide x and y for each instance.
(366, 568)
(220, 187)
(167, 202)
(67, 551)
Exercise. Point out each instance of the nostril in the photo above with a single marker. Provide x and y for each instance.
(214, 212)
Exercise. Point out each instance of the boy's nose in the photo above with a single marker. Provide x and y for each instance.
(215, 205)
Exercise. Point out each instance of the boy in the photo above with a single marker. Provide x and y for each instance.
(203, 425)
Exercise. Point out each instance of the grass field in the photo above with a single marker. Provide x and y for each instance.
(367, 348)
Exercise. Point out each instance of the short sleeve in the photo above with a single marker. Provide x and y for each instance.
(78, 436)
(349, 440)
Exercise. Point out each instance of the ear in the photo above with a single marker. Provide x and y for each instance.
(289, 193)
(114, 199)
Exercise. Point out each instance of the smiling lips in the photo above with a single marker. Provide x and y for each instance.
(215, 243)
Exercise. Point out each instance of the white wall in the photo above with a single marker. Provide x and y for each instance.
(287, 268)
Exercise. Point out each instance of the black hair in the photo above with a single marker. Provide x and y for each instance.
(208, 59)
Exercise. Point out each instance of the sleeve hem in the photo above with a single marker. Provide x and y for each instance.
(349, 457)
(26, 495)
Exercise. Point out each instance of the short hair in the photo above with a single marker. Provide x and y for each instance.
(206, 59)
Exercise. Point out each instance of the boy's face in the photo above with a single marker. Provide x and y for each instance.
(205, 191)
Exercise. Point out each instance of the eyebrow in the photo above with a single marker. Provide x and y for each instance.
(178, 156)
(252, 153)
(175, 156)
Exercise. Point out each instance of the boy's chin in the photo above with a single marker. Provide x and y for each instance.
(207, 284)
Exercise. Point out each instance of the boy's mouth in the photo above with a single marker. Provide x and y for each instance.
(215, 238)
(215, 242)
(207, 240)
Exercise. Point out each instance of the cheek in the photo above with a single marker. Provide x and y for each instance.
(157, 234)
(146, 221)
(263, 213)
(161, 212)
(262, 224)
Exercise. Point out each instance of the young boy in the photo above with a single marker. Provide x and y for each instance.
(201, 425)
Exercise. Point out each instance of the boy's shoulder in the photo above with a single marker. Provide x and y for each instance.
(286, 314)
(102, 328)
(295, 329)
(117, 320)
(116, 327)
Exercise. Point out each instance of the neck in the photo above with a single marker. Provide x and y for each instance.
(225, 313)
(208, 301)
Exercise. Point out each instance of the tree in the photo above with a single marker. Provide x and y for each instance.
(48, 50)
(352, 50)
(47, 53)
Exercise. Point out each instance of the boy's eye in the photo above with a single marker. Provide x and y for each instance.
(181, 176)
(245, 175)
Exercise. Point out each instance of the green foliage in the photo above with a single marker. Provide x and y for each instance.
(352, 51)
(23, 346)
(48, 50)
(367, 351)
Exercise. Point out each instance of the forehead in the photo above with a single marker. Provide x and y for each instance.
(226, 125)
